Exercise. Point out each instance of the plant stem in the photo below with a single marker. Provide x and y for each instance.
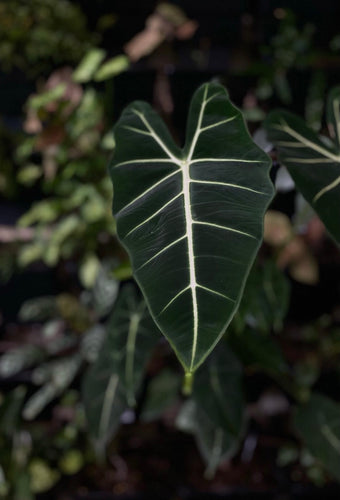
(187, 383)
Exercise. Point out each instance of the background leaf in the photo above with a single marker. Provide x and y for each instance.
(318, 423)
(313, 163)
(162, 392)
(215, 413)
(113, 380)
(112, 68)
(213, 443)
(218, 390)
(265, 299)
(256, 349)
(88, 65)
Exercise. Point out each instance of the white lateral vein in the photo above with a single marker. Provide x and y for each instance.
(228, 184)
(151, 188)
(154, 214)
(286, 128)
(327, 188)
(162, 251)
(137, 130)
(209, 290)
(149, 160)
(223, 160)
(198, 127)
(174, 298)
(156, 137)
(226, 228)
(206, 101)
(218, 123)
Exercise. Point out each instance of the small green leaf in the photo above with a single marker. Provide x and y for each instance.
(89, 269)
(112, 68)
(108, 141)
(123, 271)
(40, 100)
(44, 211)
(318, 423)
(88, 65)
(29, 174)
(42, 476)
(71, 462)
(30, 253)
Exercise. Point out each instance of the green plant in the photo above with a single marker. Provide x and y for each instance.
(220, 154)
(174, 209)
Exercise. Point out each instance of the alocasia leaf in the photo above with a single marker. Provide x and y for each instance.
(218, 390)
(191, 219)
(214, 444)
(215, 414)
(313, 163)
(111, 383)
(265, 299)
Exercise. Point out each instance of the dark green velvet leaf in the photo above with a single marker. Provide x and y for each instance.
(191, 219)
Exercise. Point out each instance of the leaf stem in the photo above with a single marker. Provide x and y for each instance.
(188, 382)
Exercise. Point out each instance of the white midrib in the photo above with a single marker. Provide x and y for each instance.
(191, 255)
(185, 170)
(185, 166)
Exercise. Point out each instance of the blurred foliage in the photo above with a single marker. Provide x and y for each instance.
(290, 48)
(39, 35)
(65, 156)
(68, 335)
